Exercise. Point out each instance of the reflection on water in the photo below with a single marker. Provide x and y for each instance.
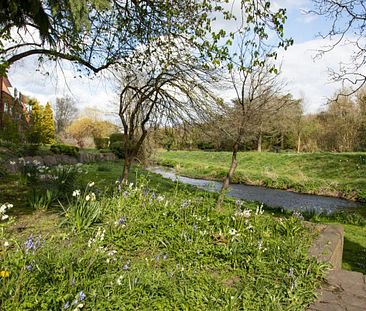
(271, 197)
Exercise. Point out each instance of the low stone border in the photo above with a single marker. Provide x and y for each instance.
(328, 247)
(13, 165)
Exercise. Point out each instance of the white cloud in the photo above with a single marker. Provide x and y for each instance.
(309, 76)
(61, 81)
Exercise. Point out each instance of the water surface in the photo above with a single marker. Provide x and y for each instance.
(270, 197)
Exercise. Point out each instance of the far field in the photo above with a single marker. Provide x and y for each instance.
(335, 174)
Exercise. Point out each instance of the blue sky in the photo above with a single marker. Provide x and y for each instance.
(306, 77)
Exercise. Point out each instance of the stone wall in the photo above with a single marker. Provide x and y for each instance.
(13, 165)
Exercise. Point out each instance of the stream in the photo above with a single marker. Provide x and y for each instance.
(270, 197)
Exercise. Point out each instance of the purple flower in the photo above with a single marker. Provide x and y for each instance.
(30, 268)
(82, 296)
(165, 257)
(66, 305)
(194, 227)
(121, 221)
(126, 267)
(29, 244)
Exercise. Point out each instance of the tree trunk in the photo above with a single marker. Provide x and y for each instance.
(230, 174)
(126, 168)
(259, 148)
(298, 143)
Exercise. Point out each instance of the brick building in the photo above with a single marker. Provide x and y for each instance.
(13, 106)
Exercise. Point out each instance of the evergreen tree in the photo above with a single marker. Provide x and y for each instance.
(48, 125)
(35, 123)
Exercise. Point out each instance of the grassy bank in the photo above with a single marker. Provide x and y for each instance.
(336, 174)
(153, 245)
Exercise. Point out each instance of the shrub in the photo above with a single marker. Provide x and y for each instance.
(118, 149)
(101, 143)
(65, 149)
(116, 137)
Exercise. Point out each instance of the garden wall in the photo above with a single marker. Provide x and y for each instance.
(13, 165)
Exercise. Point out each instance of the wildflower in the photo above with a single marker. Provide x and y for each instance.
(4, 274)
(290, 272)
(126, 267)
(6, 244)
(130, 185)
(12, 162)
(121, 221)
(185, 204)
(30, 245)
(66, 305)
(112, 253)
(28, 174)
(165, 257)
(30, 268)
(160, 198)
(194, 228)
(82, 296)
(91, 184)
(238, 203)
(76, 193)
(232, 231)
(259, 210)
(298, 215)
(119, 280)
(4, 217)
(92, 196)
(87, 198)
(117, 182)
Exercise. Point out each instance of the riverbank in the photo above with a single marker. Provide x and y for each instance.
(333, 174)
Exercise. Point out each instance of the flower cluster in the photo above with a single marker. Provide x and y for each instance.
(297, 215)
(80, 297)
(121, 222)
(30, 245)
(99, 236)
(243, 213)
(3, 208)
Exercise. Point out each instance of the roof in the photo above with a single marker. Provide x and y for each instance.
(5, 85)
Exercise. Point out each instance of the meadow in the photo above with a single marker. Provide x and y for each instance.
(334, 174)
(76, 239)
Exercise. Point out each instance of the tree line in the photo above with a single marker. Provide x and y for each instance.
(281, 126)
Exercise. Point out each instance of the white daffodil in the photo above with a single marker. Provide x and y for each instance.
(76, 193)
(91, 184)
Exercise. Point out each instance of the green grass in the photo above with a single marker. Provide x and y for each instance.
(335, 174)
(153, 249)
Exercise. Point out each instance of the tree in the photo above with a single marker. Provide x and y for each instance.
(65, 112)
(348, 26)
(35, 123)
(96, 34)
(48, 125)
(80, 129)
(85, 127)
(172, 86)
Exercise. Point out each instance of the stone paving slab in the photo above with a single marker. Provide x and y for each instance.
(343, 291)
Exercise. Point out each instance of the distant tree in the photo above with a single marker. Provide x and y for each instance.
(48, 125)
(35, 129)
(80, 129)
(85, 127)
(65, 111)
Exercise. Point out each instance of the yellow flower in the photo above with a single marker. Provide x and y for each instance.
(4, 274)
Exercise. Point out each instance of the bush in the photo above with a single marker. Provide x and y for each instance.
(101, 143)
(117, 148)
(65, 149)
(116, 137)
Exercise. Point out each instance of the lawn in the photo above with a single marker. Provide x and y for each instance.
(153, 245)
(335, 174)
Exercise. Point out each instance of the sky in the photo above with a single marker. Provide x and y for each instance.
(305, 74)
